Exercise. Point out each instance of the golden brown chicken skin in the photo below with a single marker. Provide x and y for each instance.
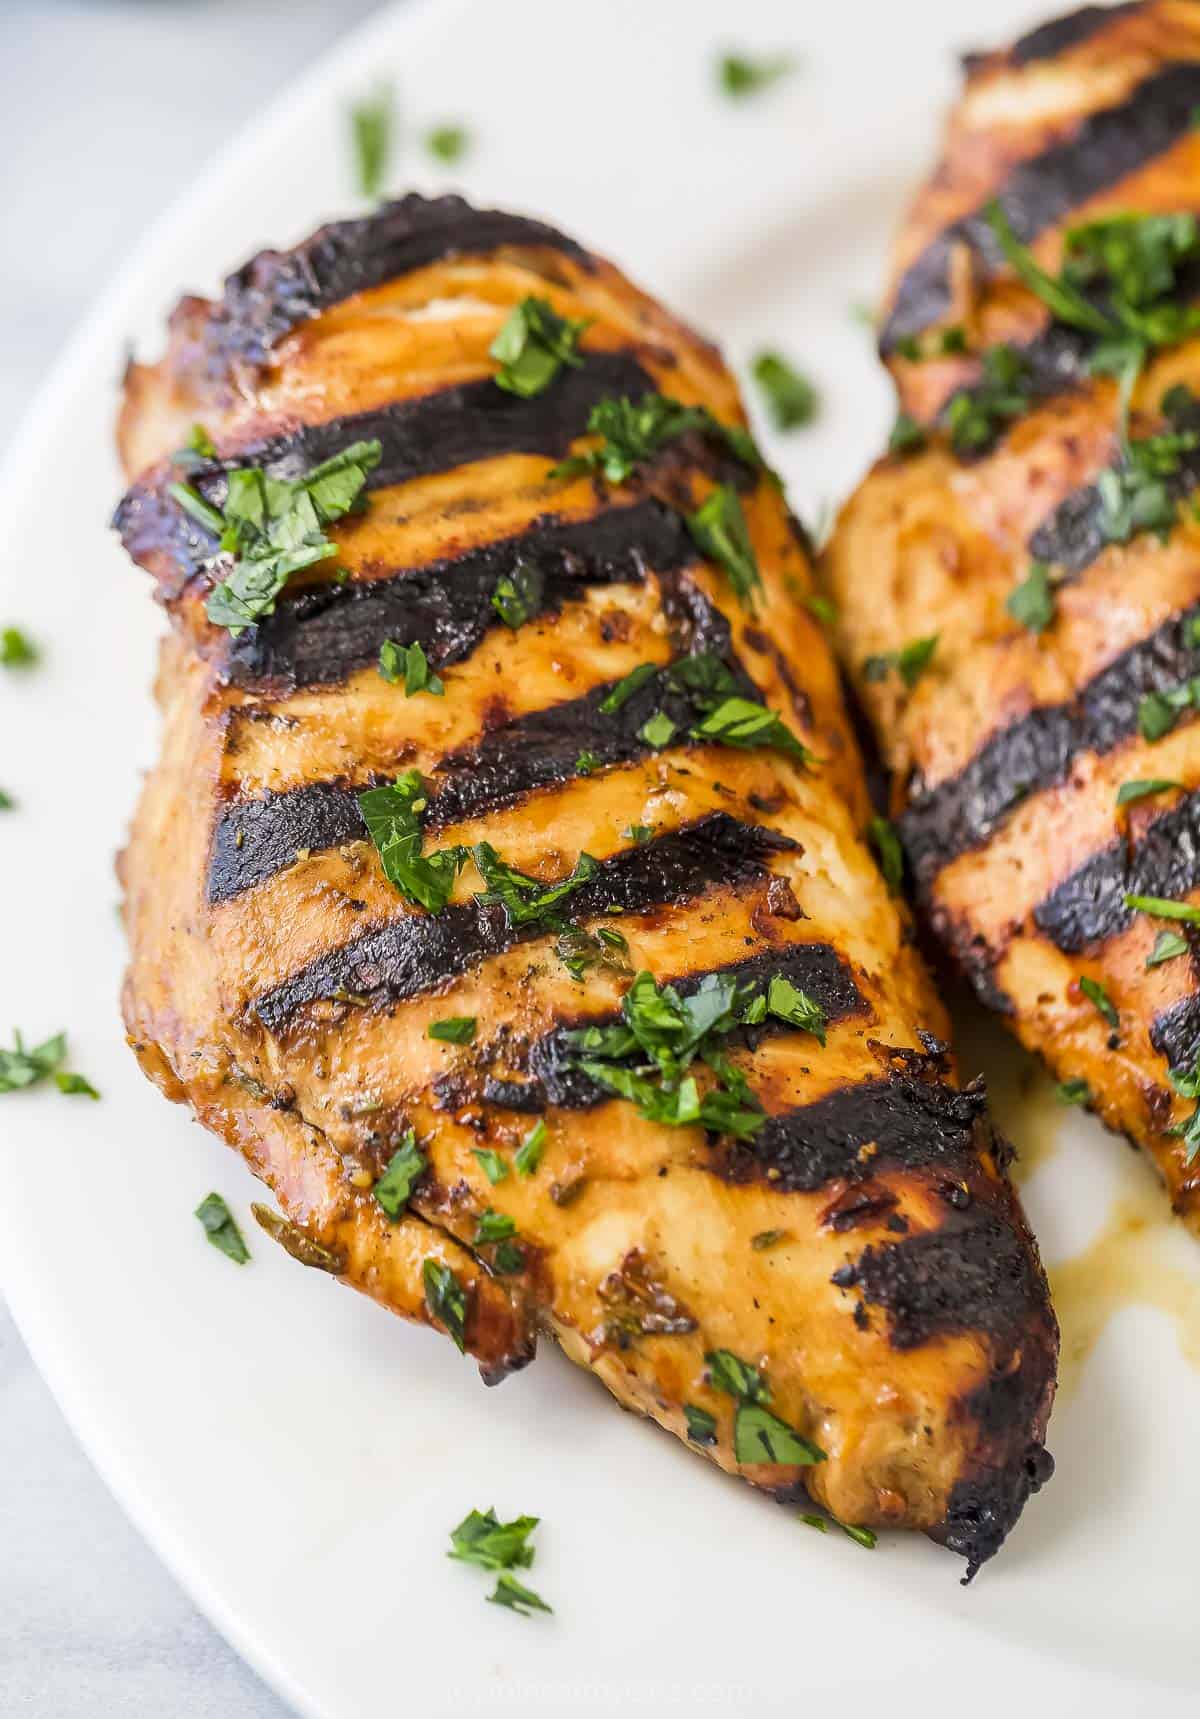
(1046, 765)
(799, 1250)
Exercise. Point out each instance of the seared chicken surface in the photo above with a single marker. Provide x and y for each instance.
(1046, 764)
(760, 1211)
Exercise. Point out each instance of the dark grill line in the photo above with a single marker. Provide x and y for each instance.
(320, 635)
(815, 968)
(254, 839)
(1035, 752)
(278, 290)
(1087, 907)
(433, 433)
(1175, 1032)
(1105, 148)
(1057, 37)
(419, 951)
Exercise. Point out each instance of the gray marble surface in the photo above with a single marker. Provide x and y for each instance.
(105, 109)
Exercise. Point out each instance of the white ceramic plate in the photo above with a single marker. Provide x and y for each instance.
(296, 1455)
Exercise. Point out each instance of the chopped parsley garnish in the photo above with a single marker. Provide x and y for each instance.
(7, 803)
(408, 663)
(508, 1259)
(493, 1226)
(394, 1188)
(371, 131)
(909, 663)
(529, 1153)
(533, 345)
(701, 1426)
(766, 1239)
(657, 731)
(448, 143)
(495, 1168)
(1161, 907)
(20, 1068)
(446, 1300)
(17, 649)
(977, 415)
(1032, 601)
(787, 1003)
(907, 435)
(392, 817)
(580, 950)
(626, 687)
(822, 607)
(196, 451)
(637, 833)
(588, 763)
(740, 76)
(526, 900)
(719, 529)
(758, 1435)
(482, 1539)
(518, 595)
(1188, 1086)
(883, 838)
(632, 432)
(647, 1058)
(862, 1536)
(518, 1598)
(1100, 1000)
(1073, 1092)
(1167, 946)
(1158, 712)
(455, 1029)
(1136, 496)
(741, 722)
(1128, 792)
(274, 527)
(791, 398)
(221, 1229)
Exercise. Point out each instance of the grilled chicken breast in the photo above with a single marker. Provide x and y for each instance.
(1046, 765)
(797, 1250)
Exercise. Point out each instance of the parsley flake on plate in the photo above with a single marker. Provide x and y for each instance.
(221, 1229)
(448, 143)
(740, 75)
(371, 129)
(792, 400)
(17, 649)
(21, 1067)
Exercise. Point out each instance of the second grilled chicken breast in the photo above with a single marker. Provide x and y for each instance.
(500, 893)
(1038, 515)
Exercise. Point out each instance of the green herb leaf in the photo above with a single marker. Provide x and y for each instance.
(766, 1239)
(788, 1003)
(509, 1592)
(1136, 496)
(588, 763)
(408, 663)
(624, 690)
(508, 1259)
(529, 1152)
(822, 607)
(394, 1188)
(455, 1029)
(1065, 302)
(1162, 908)
(448, 143)
(221, 1229)
(20, 1068)
(1139, 254)
(740, 722)
(526, 900)
(1128, 792)
(75, 1083)
(791, 398)
(533, 345)
(740, 76)
(1073, 1092)
(7, 803)
(580, 950)
(760, 1436)
(638, 834)
(977, 415)
(391, 815)
(1099, 997)
(275, 527)
(738, 1378)
(657, 731)
(493, 1226)
(1032, 602)
(371, 132)
(907, 436)
(701, 1426)
(17, 650)
(719, 530)
(632, 433)
(482, 1539)
(883, 838)
(1187, 1085)
(495, 1168)
(914, 659)
(862, 1536)
(1167, 946)
(446, 1300)
(518, 595)
(812, 1520)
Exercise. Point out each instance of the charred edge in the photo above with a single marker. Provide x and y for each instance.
(815, 968)
(1089, 906)
(912, 1122)
(278, 290)
(321, 635)
(419, 951)
(976, 1275)
(1104, 148)
(419, 437)
(983, 1509)
(1062, 34)
(1175, 1032)
(1035, 752)
(255, 839)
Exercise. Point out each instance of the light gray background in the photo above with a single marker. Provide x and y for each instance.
(107, 110)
